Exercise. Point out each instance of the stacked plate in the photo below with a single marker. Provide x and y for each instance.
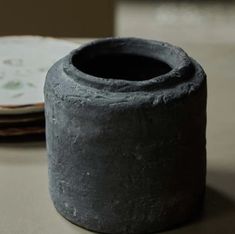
(24, 62)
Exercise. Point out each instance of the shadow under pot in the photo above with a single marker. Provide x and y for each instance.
(125, 127)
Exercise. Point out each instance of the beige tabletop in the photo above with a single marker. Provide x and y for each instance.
(25, 205)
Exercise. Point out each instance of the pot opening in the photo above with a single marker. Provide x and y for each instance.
(124, 66)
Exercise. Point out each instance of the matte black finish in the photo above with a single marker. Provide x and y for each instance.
(125, 123)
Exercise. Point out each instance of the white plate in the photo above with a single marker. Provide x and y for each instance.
(24, 62)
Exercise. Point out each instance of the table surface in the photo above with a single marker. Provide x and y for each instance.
(25, 205)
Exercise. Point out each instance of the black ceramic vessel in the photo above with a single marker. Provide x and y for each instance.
(125, 123)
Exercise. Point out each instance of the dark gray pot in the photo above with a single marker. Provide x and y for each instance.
(125, 123)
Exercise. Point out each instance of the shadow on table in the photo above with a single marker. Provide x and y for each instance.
(218, 215)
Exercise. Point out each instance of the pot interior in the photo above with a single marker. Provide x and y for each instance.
(124, 66)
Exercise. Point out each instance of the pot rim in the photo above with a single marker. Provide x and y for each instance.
(180, 63)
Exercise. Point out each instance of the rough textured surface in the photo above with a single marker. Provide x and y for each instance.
(127, 156)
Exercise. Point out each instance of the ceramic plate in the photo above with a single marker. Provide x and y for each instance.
(24, 62)
(20, 120)
(21, 131)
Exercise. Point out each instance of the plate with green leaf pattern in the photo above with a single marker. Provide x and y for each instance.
(24, 62)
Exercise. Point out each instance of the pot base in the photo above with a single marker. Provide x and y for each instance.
(146, 229)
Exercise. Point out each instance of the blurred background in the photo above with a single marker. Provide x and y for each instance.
(165, 20)
(177, 21)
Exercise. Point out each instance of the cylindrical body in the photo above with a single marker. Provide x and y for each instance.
(125, 123)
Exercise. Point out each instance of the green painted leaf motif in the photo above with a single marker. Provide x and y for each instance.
(13, 85)
(17, 95)
(30, 84)
(2, 74)
(13, 62)
(43, 69)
